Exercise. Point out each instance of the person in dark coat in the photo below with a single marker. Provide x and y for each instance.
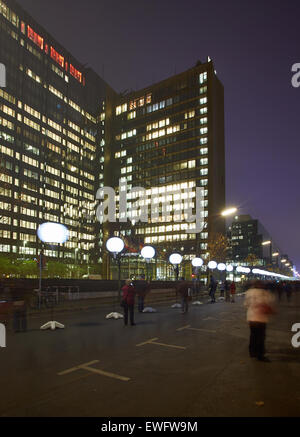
(227, 290)
(212, 288)
(19, 301)
(128, 301)
(183, 290)
(142, 287)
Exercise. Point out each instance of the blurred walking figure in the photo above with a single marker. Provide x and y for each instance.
(222, 289)
(183, 290)
(260, 305)
(212, 289)
(128, 302)
(232, 291)
(142, 288)
(227, 291)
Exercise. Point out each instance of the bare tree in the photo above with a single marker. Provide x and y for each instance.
(217, 247)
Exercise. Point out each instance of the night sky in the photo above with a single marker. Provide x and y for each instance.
(253, 44)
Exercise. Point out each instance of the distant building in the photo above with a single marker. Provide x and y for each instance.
(246, 237)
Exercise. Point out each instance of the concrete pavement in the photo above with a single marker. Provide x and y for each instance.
(193, 365)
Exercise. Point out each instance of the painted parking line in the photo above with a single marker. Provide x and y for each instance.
(153, 341)
(88, 368)
(188, 327)
(73, 369)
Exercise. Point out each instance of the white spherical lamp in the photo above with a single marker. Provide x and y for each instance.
(148, 252)
(221, 267)
(197, 262)
(53, 233)
(212, 265)
(115, 245)
(175, 258)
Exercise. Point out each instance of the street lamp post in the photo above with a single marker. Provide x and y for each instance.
(148, 252)
(176, 259)
(197, 263)
(51, 233)
(268, 243)
(115, 246)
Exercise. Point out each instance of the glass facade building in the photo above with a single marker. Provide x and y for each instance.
(64, 133)
(51, 142)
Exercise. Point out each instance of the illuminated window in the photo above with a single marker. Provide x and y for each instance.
(75, 73)
(57, 57)
(37, 39)
(203, 77)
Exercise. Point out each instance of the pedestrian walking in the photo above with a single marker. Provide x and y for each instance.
(128, 298)
(212, 289)
(232, 291)
(260, 305)
(222, 289)
(183, 289)
(142, 287)
(227, 290)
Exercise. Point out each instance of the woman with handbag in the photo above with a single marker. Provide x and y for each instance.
(260, 305)
(128, 302)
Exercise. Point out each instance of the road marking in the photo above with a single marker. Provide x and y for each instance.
(108, 374)
(87, 367)
(153, 341)
(73, 369)
(196, 329)
(147, 342)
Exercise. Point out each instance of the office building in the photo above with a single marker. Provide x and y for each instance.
(51, 142)
(168, 138)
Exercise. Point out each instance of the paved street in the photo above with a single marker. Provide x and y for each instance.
(168, 365)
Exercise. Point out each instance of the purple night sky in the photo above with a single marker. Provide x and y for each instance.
(253, 45)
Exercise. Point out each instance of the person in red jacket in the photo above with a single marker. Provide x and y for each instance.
(128, 301)
(232, 290)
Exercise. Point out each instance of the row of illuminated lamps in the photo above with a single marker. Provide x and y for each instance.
(57, 233)
(116, 245)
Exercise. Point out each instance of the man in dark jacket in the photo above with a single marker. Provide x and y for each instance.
(183, 290)
(142, 287)
(212, 288)
(128, 302)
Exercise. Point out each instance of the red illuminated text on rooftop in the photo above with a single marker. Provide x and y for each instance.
(37, 39)
(57, 57)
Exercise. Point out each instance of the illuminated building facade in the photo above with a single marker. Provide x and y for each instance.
(64, 133)
(168, 138)
(51, 142)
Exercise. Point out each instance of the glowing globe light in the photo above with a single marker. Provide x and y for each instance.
(175, 258)
(148, 252)
(240, 269)
(197, 262)
(229, 268)
(115, 245)
(53, 233)
(221, 267)
(212, 265)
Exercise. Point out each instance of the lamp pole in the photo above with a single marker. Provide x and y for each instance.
(51, 233)
(115, 246)
(148, 252)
